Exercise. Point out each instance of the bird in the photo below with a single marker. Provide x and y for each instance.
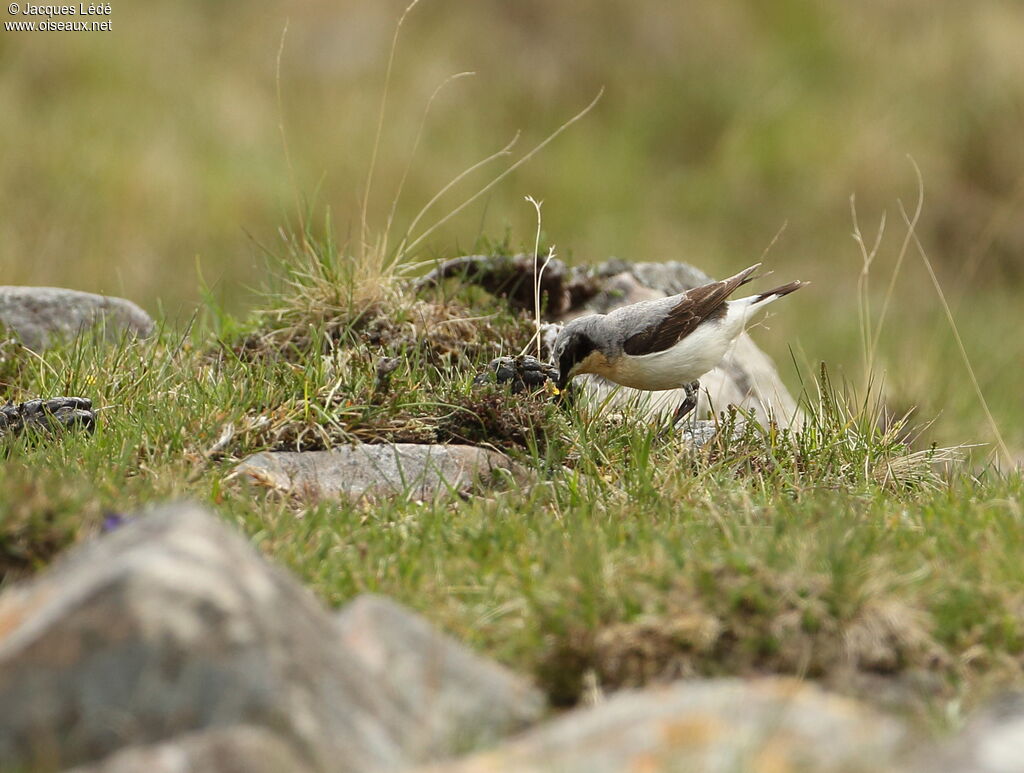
(665, 343)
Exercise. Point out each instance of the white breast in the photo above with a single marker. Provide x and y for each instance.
(688, 360)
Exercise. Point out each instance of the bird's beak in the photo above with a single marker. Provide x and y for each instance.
(557, 389)
(563, 376)
(564, 373)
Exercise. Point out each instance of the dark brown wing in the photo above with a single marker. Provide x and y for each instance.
(696, 305)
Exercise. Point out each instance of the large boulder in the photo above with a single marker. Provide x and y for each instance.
(373, 471)
(459, 699)
(241, 749)
(172, 645)
(714, 726)
(38, 316)
(992, 741)
(174, 624)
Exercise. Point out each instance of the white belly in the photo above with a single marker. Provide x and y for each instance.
(688, 360)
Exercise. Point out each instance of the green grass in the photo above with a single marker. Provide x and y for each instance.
(835, 552)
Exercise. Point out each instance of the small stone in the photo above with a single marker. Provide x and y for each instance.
(40, 315)
(48, 415)
(385, 367)
(697, 434)
(419, 472)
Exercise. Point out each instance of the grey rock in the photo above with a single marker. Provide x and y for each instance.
(714, 726)
(459, 700)
(173, 624)
(991, 742)
(420, 472)
(39, 315)
(512, 277)
(525, 373)
(49, 415)
(669, 277)
(697, 434)
(617, 290)
(240, 749)
(565, 289)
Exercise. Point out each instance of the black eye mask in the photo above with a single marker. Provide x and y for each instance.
(576, 350)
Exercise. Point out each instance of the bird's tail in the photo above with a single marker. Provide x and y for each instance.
(771, 295)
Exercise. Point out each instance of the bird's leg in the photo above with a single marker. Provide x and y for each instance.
(688, 404)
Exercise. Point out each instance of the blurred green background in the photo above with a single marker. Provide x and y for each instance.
(131, 157)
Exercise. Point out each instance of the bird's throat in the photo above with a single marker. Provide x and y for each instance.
(595, 362)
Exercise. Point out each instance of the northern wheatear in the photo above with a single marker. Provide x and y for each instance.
(666, 343)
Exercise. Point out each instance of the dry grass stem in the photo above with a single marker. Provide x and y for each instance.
(534, 151)
(1004, 450)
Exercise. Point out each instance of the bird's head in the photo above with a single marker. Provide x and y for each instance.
(572, 349)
